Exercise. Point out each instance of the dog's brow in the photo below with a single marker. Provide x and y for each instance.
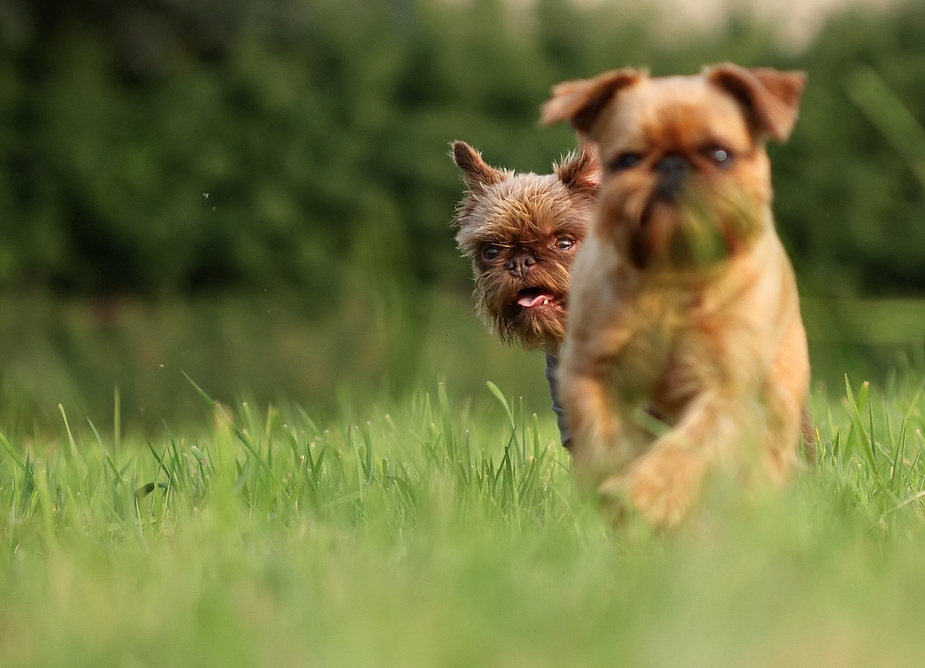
(571, 229)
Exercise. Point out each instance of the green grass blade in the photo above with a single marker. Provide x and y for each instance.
(499, 395)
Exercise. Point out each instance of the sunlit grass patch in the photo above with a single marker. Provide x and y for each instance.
(439, 532)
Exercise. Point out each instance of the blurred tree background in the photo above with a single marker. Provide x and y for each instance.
(259, 192)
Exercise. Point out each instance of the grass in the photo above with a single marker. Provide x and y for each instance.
(445, 532)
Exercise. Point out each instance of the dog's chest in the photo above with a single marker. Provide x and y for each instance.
(656, 368)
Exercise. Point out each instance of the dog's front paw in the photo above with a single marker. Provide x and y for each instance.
(661, 487)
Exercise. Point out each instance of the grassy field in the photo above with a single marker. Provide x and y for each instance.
(437, 531)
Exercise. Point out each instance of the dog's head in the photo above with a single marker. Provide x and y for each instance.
(686, 177)
(521, 232)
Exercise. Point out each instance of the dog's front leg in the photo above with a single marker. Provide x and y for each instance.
(662, 484)
(598, 447)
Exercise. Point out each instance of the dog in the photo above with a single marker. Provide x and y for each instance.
(685, 349)
(521, 232)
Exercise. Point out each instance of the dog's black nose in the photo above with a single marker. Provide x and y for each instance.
(521, 264)
(671, 169)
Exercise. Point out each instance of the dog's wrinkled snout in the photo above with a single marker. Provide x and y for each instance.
(521, 264)
(671, 169)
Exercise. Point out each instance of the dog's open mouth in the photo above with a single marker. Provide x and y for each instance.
(531, 298)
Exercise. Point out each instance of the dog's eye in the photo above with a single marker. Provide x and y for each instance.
(564, 243)
(624, 161)
(491, 252)
(721, 157)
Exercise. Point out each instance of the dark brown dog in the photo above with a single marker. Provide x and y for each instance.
(683, 305)
(521, 232)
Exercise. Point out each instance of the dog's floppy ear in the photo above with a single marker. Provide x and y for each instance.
(476, 172)
(582, 100)
(770, 97)
(580, 171)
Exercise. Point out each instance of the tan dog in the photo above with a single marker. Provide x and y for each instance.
(521, 232)
(685, 347)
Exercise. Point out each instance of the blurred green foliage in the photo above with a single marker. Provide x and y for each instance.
(100, 358)
(168, 147)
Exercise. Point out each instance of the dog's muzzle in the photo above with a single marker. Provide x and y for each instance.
(520, 265)
(672, 169)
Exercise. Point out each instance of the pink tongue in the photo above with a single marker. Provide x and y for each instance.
(528, 301)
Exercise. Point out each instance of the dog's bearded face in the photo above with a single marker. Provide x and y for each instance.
(521, 233)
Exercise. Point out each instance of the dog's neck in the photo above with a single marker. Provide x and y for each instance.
(552, 348)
